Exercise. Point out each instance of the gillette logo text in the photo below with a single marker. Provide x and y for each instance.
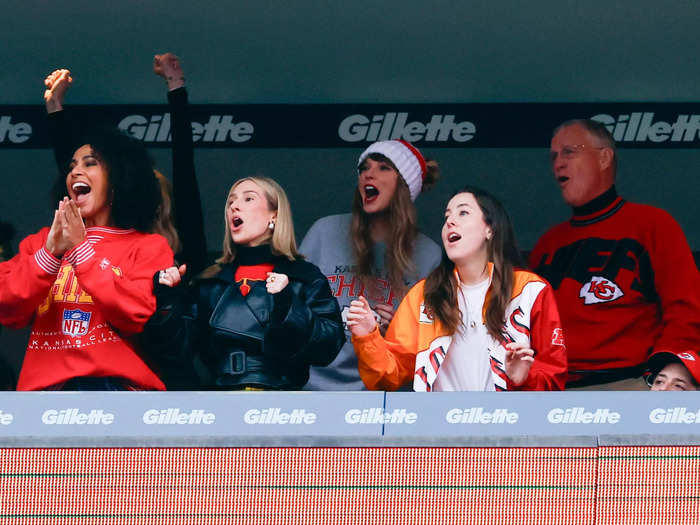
(156, 128)
(676, 415)
(579, 415)
(16, 133)
(393, 126)
(371, 416)
(73, 416)
(174, 416)
(6, 418)
(642, 127)
(275, 416)
(480, 416)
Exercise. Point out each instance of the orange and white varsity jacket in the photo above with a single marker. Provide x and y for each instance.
(415, 344)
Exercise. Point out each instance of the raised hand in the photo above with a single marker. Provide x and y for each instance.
(360, 317)
(56, 243)
(55, 239)
(57, 83)
(168, 66)
(276, 282)
(172, 276)
(73, 225)
(519, 359)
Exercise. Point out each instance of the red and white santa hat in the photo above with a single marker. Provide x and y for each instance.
(407, 159)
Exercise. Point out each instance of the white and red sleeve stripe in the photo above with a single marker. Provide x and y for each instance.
(80, 254)
(47, 261)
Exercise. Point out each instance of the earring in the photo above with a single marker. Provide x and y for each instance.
(271, 225)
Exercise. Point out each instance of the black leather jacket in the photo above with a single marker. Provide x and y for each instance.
(260, 340)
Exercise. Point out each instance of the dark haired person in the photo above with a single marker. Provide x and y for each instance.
(623, 274)
(260, 317)
(85, 282)
(377, 250)
(179, 217)
(477, 322)
(674, 370)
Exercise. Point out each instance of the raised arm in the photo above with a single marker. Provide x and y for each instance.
(57, 84)
(187, 202)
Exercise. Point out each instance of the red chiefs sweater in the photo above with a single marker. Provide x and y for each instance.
(86, 308)
(625, 283)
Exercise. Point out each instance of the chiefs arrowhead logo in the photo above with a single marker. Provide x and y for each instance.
(600, 290)
(686, 355)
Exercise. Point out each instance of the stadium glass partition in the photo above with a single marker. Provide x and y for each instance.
(517, 458)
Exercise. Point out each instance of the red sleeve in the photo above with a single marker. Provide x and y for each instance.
(677, 284)
(125, 295)
(25, 280)
(549, 370)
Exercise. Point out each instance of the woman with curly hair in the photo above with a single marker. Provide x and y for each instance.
(85, 282)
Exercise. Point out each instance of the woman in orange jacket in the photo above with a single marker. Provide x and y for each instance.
(477, 322)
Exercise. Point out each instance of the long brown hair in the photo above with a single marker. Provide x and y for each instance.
(441, 286)
(403, 223)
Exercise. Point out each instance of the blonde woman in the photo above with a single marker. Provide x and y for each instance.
(261, 316)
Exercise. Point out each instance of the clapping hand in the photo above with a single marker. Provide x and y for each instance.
(67, 230)
(360, 318)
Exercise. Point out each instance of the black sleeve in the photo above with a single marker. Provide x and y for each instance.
(170, 336)
(61, 138)
(187, 202)
(310, 323)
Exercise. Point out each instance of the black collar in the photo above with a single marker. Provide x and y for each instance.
(603, 206)
(601, 202)
(251, 256)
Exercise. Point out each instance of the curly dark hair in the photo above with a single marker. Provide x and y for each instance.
(135, 189)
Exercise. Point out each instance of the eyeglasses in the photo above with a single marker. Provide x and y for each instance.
(568, 152)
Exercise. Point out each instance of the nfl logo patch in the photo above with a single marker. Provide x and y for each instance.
(75, 322)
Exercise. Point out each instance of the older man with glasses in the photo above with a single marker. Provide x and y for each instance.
(623, 274)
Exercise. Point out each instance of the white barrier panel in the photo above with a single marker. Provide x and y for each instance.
(360, 418)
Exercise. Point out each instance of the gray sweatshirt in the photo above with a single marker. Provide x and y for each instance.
(327, 245)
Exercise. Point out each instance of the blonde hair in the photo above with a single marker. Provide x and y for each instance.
(283, 241)
(164, 223)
